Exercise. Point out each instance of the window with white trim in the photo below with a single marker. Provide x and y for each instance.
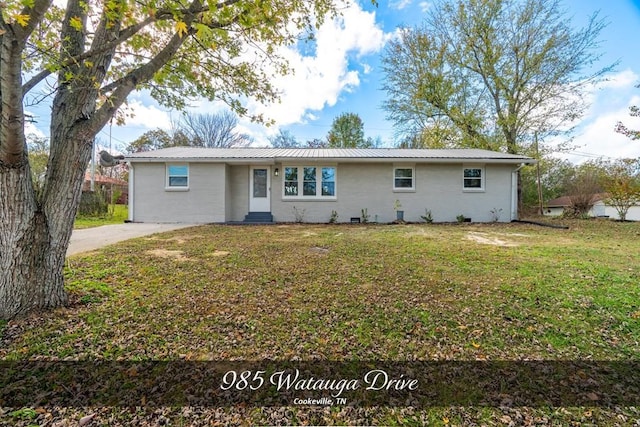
(178, 176)
(473, 178)
(404, 178)
(290, 181)
(328, 181)
(309, 182)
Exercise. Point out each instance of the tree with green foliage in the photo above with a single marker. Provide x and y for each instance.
(437, 135)
(347, 131)
(490, 72)
(94, 55)
(156, 139)
(38, 158)
(555, 175)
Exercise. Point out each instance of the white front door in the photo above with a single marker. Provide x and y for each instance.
(260, 189)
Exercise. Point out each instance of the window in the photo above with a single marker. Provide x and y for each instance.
(473, 178)
(328, 181)
(178, 176)
(309, 184)
(403, 178)
(290, 181)
(316, 182)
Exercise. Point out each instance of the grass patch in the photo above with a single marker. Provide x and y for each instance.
(372, 291)
(342, 292)
(119, 215)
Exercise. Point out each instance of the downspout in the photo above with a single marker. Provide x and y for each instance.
(514, 192)
(130, 197)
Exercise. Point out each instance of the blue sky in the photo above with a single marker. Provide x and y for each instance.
(342, 74)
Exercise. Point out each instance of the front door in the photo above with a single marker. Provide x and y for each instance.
(260, 189)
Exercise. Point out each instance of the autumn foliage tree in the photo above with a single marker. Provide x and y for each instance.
(621, 181)
(92, 55)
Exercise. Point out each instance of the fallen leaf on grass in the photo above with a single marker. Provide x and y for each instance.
(86, 420)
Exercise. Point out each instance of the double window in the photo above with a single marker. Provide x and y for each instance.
(310, 181)
(404, 178)
(177, 176)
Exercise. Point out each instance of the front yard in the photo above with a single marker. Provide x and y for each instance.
(336, 293)
(117, 214)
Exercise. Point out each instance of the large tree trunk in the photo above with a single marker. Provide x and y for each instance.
(31, 260)
(35, 237)
(35, 230)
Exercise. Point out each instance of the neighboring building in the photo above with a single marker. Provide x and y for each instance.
(600, 209)
(217, 185)
(106, 184)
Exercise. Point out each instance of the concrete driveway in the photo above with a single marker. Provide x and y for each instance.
(89, 239)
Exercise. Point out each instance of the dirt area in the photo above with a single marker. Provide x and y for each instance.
(165, 253)
(490, 239)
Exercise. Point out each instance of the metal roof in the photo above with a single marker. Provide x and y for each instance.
(335, 154)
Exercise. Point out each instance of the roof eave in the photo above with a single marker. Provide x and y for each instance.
(270, 161)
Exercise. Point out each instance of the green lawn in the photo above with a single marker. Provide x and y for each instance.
(117, 216)
(374, 292)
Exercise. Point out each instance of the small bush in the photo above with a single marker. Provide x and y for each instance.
(365, 216)
(299, 214)
(427, 217)
(92, 204)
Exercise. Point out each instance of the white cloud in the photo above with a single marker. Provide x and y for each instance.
(399, 4)
(319, 78)
(612, 93)
(332, 67)
(595, 134)
(597, 138)
(623, 79)
(147, 116)
(30, 128)
(425, 6)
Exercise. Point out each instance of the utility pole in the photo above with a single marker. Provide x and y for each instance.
(540, 204)
(93, 166)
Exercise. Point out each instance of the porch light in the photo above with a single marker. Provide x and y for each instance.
(276, 171)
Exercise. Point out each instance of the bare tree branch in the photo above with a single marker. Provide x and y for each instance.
(213, 130)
